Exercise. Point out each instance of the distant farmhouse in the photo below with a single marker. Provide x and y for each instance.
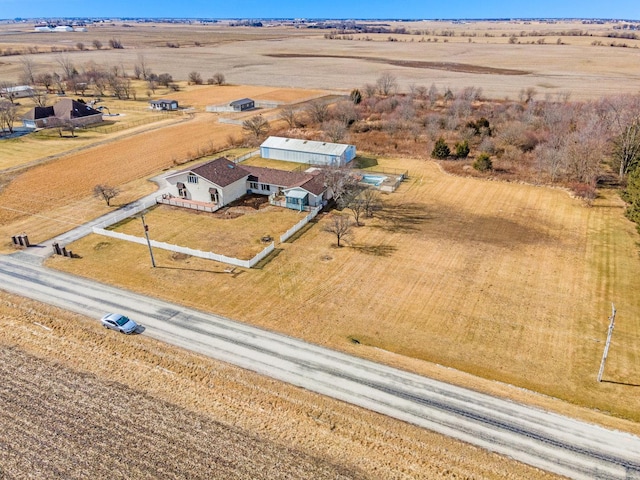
(241, 105)
(307, 151)
(19, 91)
(164, 104)
(65, 110)
(214, 184)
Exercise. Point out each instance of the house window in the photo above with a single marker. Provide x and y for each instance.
(182, 192)
(253, 185)
(265, 186)
(214, 197)
(191, 178)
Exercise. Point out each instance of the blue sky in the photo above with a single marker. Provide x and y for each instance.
(414, 9)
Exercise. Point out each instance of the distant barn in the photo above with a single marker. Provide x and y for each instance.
(307, 151)
(242, 105)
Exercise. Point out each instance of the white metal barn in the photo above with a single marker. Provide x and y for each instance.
(307, 151)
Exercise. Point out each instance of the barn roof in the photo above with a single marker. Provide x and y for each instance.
(242, 101)
(307, 146)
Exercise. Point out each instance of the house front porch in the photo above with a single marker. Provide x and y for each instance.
(168, 199)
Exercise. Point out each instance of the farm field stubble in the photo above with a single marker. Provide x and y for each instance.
(243, 56)
(504, 281)
(186, 416)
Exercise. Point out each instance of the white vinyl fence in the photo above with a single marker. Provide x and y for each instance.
(289, 233)
(188, 251)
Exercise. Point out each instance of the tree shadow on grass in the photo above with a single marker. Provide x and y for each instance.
(375, 250)
(403, 218)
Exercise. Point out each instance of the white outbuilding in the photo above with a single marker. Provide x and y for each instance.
(307, 151)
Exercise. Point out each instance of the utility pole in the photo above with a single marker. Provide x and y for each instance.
(612, 318)
(146, 234)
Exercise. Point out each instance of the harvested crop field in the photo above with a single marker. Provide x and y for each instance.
(504, 281)
(118, 163)
(70, 388)
(560, 56)
(448, 66)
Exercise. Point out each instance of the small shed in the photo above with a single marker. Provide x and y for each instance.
(242, 105)
(164, 104)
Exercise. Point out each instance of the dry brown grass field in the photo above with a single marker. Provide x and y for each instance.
(181, 415)
(243, 55)
(504, 281)
(236, 231)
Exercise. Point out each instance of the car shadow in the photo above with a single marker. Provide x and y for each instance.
(139, 330)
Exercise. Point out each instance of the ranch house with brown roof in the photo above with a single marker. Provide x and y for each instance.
(65, 110)
(214, 184)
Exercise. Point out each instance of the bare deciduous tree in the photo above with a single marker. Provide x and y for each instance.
(44, 79)
(346, 112)
(7, 91)
(28, 71)
(338, 181)
(141, 68)
(386, 84)
(334, 130)
(256, 126)
(8, 115)
(217, 79)
(106, 192)
(97, 44)
(39, 97)
(371, 200)
(195, 78)
(351, 200)
(318, 111)
(68, 68)
(626, 147)
(289, 114)
(340, 226)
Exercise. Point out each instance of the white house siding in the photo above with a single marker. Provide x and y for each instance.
(199, 192)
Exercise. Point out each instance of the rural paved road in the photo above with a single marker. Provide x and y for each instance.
(546, 440)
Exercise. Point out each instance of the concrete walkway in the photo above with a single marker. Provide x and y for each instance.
(45, 249)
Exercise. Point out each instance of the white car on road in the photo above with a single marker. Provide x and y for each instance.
(118, 322)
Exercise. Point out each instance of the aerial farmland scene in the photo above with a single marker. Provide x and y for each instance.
(282, 241)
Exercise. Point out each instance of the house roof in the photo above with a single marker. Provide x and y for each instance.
(220, 171)
(162, 101)
(64, 109)
(285, 179)
(308, 146)
(223, 172)
(242, 101)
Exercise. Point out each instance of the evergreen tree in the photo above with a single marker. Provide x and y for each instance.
(356, 96)
(462, 149)
(483, 163)
(631, 195)
(440, 149)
